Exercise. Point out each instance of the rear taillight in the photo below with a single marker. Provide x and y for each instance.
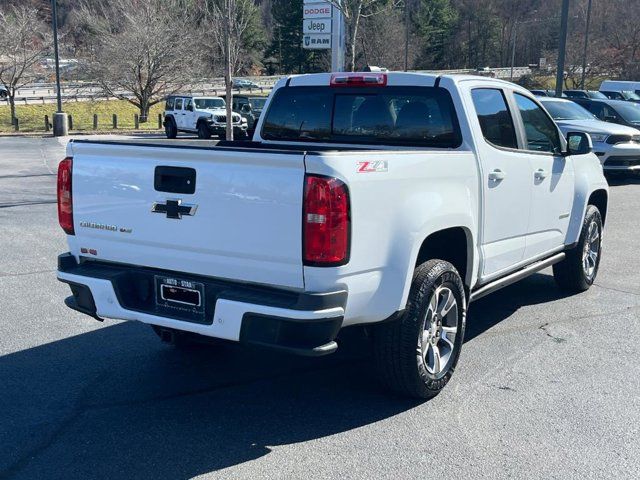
(326, 222)
(65, 200)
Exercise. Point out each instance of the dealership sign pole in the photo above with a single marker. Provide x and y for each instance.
(323, 29)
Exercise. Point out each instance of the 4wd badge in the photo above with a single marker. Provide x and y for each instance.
(373, 166)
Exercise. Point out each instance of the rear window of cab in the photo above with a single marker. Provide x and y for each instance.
(408, 116)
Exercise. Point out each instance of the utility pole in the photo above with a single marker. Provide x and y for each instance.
(513, 47)
(562, 47)
(406, 35)
(337, 39)
(586, 45)
(228, 80)
(60, 125)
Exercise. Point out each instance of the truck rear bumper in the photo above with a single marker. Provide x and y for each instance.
(300, 323)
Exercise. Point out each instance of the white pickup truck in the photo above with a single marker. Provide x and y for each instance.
(390, 200)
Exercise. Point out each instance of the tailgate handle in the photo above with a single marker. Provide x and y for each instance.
(175, 180)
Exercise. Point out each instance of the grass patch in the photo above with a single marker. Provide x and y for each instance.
(31, 117)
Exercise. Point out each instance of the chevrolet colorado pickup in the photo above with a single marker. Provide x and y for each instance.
(390, 200)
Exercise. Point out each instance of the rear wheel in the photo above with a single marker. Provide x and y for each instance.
(170, 129)
(416, 354)
(204, 131)
(578, 270)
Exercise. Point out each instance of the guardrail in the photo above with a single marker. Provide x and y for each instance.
(88, 91)
(77, 97)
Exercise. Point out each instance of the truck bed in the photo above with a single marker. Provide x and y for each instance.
(224, 144)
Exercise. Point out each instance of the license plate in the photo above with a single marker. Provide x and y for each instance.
(180, 295)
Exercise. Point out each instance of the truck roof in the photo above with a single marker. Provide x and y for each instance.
(393, 79)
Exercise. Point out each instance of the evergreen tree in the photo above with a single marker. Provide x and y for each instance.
(286, 50)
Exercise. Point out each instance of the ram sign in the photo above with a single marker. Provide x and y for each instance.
(317, 41)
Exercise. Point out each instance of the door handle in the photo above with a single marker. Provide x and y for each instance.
(540, 174)
(497, 175)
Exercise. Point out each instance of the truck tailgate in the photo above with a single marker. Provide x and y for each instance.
(246, 224)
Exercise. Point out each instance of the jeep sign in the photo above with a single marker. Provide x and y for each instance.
(316, 26)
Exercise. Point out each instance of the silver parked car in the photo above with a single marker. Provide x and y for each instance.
(617, 146)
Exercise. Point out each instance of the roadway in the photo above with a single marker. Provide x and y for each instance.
(548, 385)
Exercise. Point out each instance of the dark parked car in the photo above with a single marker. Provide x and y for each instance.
(584, 94)
(545, 93)
(614, 111)
(244, 84)
(250, 107)
(627, 96)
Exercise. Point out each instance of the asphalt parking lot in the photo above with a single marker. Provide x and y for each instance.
(548, 385)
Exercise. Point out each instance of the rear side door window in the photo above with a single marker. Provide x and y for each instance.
(541, 132)
(494, 117)
(178, 105)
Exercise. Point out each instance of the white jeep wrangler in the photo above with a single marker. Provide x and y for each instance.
(205, 116)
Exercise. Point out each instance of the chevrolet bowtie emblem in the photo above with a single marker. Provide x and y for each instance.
(174, 209)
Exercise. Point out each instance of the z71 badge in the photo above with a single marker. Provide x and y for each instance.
(373, 166)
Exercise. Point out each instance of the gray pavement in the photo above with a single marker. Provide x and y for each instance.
(548, 385)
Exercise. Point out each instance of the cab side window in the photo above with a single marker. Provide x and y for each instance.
(542, 134)
(495, 120)
(609, 114)
(596, 109)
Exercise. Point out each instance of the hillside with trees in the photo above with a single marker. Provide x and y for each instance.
(442, 34)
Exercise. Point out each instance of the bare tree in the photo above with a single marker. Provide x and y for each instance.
(140, 50)
(228, 20)
(354, 11)
(23, 43)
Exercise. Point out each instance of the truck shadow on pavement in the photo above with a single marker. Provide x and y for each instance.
(115, 403)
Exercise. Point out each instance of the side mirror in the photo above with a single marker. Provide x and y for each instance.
(578, 143)
(246, 108)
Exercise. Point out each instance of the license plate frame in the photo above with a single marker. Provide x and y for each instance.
(181, 296)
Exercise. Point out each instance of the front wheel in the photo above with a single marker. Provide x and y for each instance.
(578, 270)
(416, 354)
(203, 131)
(170, 128)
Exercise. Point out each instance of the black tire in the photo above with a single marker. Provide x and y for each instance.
(572, 273)
(203, 131)
(170, 128)
(242, 135)
(400, 355)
